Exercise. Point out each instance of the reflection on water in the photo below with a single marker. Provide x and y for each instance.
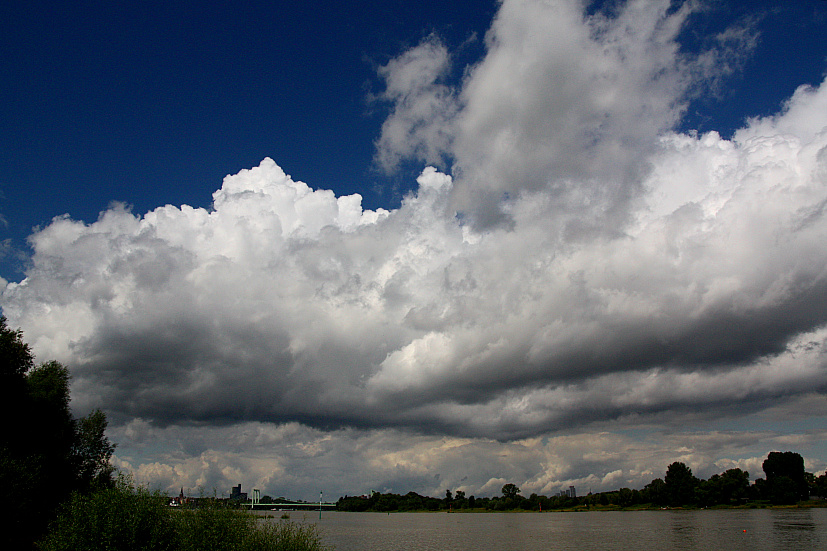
(684, 530)
(724, 530)
(795, 528)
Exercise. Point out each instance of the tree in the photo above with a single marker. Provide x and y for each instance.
(92, 451)
(51, 430)
(680, 484)
(786, 478)
(15, 361)
(510, 491)
(45, 453)
(627, 497)
(722, 489)
(15, 355)
(821, 486)
(655, 492)
(20, 471)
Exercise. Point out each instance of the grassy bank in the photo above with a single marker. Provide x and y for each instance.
(128, 518)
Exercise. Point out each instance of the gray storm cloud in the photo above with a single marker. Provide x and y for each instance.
(641, 270)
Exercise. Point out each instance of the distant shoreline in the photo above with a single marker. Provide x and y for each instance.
(820, 504)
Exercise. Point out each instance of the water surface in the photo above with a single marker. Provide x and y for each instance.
(721, 530)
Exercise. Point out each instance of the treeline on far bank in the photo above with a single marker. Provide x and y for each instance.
(785, 483)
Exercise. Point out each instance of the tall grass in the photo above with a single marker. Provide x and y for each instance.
(284, 536)
(122, 517)
(131, 518)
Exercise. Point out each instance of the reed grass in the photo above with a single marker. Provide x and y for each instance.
(127, 517)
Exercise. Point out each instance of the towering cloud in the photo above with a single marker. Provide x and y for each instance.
(564, 101)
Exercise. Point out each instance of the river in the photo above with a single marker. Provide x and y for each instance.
(703, 530)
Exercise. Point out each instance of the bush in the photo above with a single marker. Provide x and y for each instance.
(128, 518)
(111, 519)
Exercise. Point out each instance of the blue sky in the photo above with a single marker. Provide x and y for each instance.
(587, 239)
(154, 104)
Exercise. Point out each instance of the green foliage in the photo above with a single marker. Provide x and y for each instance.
(788, 464)
(820, 486)
(45, 453)
(510, 491)
(15, 361)
(783, 490)
(50, 426)
(655, 492)
(212, 526)
(390, 502)
(92, 450)
(786, 479)
(15, 355)
(114, 518)
(285, 536)
(678, 488)
(18, 474)
(124, 517)
(729, 487)
(680, 484)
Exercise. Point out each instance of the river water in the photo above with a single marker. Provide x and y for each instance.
(721, 530)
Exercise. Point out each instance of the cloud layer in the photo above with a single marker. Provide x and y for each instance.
(582, 263)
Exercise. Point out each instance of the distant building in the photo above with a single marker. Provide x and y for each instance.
(571, 492)
(237, 494)
(180, 500)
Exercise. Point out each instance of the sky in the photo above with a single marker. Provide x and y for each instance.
(363, 245)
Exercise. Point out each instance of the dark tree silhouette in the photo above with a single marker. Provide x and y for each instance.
(45, 453)
(680, 484)
(510, 491)
(786, 479)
